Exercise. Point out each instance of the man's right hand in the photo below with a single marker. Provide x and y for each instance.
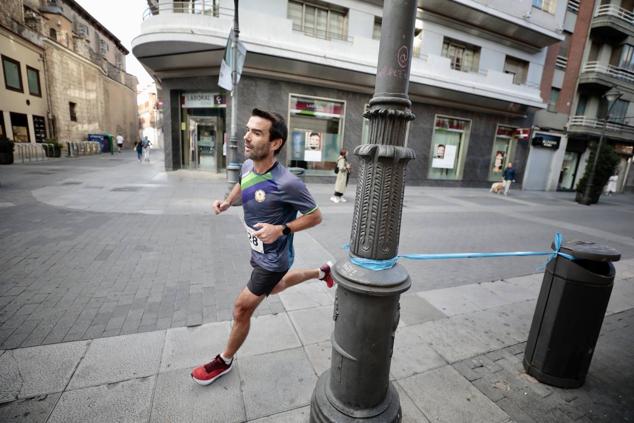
(219, 206)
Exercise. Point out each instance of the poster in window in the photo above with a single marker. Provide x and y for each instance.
(498, 164)
(313, 146)
(444, 156)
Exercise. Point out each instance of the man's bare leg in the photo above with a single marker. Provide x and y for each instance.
(243, 309)
(294, 277)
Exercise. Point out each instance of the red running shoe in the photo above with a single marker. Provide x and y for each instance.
(207, 373)
(327, 274)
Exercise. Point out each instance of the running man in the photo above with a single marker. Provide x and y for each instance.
(271, 199)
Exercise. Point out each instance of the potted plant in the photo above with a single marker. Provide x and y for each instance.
(6, 151)
(608, 160)
(57, 149)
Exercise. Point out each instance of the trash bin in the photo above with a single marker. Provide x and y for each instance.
(297, 171)
(104, 139)
(569, 313)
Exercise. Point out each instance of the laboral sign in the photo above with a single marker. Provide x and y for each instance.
(546, 140)
(203, 100)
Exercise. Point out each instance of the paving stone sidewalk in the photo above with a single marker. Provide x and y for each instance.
(457, 359)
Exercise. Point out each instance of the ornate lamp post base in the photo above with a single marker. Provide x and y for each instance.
(366, 314)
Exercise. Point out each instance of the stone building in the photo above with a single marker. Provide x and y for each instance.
(80, 67)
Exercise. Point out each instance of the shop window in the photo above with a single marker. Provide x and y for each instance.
(20, 127)
(33, 80)
(503, 150)
(464, 57)
(39, 127)
(448, 148)
(12, 75)
(518, 68)
(545, 5)
(72, 109)
(316, 133)
(554, 98)
(317, 19)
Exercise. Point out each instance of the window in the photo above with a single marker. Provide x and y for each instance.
(103, 46)
(20, 127)
(315, 133)
(376, 30)
(626, 57)
(581, 105)
(12, 75)
(545, 5)
(33, 80)
(464, 57)
(619, 111)
(448, 148)
(39, 127)
(518, 68)
(503, 149)
(554, 98)
(320, 21)
(3, 133)
(72, 108)
(52, 33)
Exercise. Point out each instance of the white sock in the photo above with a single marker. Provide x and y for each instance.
(225, 359)
(322, 274)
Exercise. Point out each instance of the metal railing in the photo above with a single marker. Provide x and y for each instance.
(610, 70)
(82, 148)
(193, 7)
(614, 10)
(588, 122)
(28, 152)
(321, 34)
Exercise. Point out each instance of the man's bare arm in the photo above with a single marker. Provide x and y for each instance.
(219, 206)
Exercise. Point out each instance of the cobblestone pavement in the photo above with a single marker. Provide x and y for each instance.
(102, 245)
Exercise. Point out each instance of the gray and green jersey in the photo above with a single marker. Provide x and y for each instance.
(274, 197)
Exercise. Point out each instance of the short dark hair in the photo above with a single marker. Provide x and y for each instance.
(278, 129)
(315, 133)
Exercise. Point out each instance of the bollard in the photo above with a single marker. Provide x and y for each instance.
(569, 313)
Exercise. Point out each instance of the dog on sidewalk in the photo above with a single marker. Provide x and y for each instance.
(497, 187)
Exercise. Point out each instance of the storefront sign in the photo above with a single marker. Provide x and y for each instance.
(626, 150)
(546, 140)
(203, 100)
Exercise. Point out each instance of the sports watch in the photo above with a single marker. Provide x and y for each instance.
(286, 230)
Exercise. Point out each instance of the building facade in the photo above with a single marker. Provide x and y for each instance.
(72, 71)
(472, 85)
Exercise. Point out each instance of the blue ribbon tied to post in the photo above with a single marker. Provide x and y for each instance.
(372, 264)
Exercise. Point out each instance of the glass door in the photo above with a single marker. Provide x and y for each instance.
(568, 171)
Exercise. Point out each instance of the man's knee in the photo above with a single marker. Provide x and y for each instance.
(242, 311)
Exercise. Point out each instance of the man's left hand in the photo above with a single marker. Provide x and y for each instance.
(268, 233)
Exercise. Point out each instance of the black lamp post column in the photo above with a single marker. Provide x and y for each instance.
(366, 309)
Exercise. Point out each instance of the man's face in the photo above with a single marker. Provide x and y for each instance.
(314, 142)
(440, 151)
(257, 145)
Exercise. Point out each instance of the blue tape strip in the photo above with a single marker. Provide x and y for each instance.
(371, 264)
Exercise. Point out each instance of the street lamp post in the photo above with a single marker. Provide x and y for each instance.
(233, 166)
(366, 308)
(611, 96)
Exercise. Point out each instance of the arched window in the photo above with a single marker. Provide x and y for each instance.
(52, 33)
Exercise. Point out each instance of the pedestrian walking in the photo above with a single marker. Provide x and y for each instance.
(139, 150)
(509, 176)
(271, 199)
(120, 140)
(343, 175)
(146, 148)
(612, 182)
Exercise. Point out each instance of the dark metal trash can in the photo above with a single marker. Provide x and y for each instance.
(569, 313)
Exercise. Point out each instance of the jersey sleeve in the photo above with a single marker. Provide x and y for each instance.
(297, 195)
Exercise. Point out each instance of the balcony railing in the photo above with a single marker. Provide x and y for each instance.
(613, 71)
(593, 123)
(614, 10)
(192, 7)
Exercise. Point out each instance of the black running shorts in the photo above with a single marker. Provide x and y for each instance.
(263, 281)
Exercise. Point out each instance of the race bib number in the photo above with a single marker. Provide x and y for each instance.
(255, 243)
